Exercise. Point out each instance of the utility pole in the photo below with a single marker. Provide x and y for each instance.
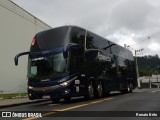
(157, 82)
(150, 82)
(138, 81)
(127, 47)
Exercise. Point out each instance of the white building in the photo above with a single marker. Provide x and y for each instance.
(152, 79)
(17, 28)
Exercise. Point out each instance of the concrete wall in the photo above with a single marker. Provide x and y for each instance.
(153, 79)
(17, 28)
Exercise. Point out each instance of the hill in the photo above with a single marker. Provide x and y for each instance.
(148, 65)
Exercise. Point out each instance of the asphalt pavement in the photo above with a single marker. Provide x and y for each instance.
(132, 106)
(18, 101)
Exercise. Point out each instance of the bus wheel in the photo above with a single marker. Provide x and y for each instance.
(90, 94)
(128, 88)
(99, 90)
(55, 100)
(131, 88)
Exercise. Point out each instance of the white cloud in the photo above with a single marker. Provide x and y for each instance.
(131, 14)
(154, 46)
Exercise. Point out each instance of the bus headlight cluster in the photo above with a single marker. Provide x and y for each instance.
(64, 84)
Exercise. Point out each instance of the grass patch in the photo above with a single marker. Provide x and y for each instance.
(9, 96)
(147, 85)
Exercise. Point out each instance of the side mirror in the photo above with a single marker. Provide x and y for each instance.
(18, 55)
(65, 54)
(67, 48)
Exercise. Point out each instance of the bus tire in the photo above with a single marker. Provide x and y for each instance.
(90, 89)
(99, 90)
(131, 88)
(128, 90)
(31, 98)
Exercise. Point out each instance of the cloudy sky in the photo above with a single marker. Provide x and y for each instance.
(132, 22)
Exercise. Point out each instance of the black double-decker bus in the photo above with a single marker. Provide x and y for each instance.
(70, 61)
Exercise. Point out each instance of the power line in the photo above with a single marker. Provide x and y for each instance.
(155, 34)
(138, 42)
(155, 37)
(148, 38)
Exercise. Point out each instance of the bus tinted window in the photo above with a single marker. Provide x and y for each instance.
(96, 42)
(122, 52)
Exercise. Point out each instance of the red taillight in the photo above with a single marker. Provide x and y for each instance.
(33, 41)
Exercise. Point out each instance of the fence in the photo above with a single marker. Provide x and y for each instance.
(150, 81)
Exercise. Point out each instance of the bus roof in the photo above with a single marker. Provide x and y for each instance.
(60, 36)
(53, 38)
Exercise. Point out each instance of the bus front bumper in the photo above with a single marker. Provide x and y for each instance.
(56, 91)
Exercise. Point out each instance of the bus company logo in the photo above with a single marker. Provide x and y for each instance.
(6, 114)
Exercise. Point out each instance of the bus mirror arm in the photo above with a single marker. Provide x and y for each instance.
(18, 55)
(109, 46)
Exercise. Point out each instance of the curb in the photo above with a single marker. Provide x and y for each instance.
(25, 103)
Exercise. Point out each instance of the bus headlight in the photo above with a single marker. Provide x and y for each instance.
(64, 84)
(30, 87)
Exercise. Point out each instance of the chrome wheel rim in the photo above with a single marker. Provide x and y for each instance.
(90, 91)
(128, 88)
(99, 89)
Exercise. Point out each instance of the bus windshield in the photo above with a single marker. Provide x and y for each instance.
(47, 67)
